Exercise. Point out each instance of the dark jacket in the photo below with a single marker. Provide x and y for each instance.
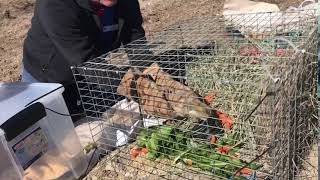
(64, 33)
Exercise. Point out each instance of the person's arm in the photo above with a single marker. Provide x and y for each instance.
(133, 30)
(60, 19)
(131, 13)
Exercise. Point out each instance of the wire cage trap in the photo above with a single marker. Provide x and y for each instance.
(225, 97)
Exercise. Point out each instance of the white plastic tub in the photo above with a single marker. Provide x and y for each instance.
(46, 147)
(8, 166)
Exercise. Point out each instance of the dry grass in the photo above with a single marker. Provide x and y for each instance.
(15, 19)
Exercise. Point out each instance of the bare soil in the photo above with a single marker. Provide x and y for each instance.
(15, 18)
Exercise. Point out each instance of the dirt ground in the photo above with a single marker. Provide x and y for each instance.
(15, 17)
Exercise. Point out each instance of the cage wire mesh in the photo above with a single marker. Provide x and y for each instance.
(224, 97)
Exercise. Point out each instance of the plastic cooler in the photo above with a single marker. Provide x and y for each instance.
(38, 140)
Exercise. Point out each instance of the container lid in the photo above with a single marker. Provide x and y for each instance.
(14, 97)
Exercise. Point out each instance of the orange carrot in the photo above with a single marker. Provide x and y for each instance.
(224, 149)
(144, 150)
(134, 153)
(280, 52)
(226, 121)
(213, 139)
(245, 171)
(188, 162)
(209, 98)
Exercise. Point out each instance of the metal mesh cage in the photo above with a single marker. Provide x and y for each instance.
(222, 97)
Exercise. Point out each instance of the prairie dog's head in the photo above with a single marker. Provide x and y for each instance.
(200, 111)
(152, 70)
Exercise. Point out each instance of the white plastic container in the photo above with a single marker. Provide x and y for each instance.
(40, 135)
(9, 168)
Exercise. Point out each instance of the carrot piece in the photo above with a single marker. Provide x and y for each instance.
(224, 149)
(209, 98)
(144, 150)
(134, 153)
(245, 171)
(219, 113)
(243, 51)
(227, 124)
(254, 51)
(213, 139)
(225, 120)
(188, 162)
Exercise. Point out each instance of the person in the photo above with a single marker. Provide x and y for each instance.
(67, 33)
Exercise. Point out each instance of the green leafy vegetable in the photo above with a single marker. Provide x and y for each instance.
(179, 146)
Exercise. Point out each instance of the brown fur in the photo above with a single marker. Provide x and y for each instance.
(181, 98)
(162, 95)
(150, 96)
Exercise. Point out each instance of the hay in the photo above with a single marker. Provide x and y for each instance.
(238, 85)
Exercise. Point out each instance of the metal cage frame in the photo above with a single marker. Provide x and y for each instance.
(258, 69)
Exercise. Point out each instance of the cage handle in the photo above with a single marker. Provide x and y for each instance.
(305, 1)
(292, 8)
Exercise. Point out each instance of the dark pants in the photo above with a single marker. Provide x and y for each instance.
(73, 102)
